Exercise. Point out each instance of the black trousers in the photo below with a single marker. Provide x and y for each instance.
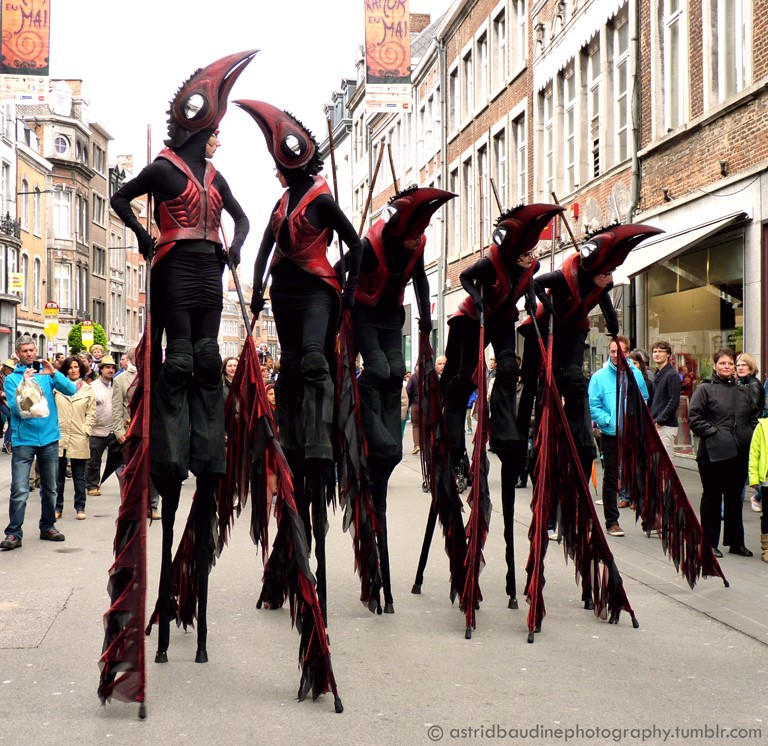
(722, 481)
(610, 475)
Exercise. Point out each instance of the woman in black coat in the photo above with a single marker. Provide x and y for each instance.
(723, 415)
(746, 372)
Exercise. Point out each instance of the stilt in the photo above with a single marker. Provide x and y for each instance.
(428, 533)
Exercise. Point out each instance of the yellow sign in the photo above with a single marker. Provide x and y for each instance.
(86, 333)
(51, 314)
(17, 282)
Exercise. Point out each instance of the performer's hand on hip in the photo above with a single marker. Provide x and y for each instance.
(146, 244)
(234, 255)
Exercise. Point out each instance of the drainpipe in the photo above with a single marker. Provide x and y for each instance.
(442, 266)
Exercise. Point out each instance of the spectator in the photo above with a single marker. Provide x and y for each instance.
(102, 437)
(666, 396)
(638, 360)
(440, 366)
(723, 415)
(686, 382)
(58, 359)
(746, 372)
(228, 368)
(123, 364)
(77, 415)
(97, 353)
(602, 407)
(8, 367)
(34, 437)
(758, 475)
(412, 389)
(121, 418)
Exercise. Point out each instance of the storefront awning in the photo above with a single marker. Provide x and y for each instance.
(669, 245)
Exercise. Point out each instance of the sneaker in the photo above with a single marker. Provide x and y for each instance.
(155, 514)
(80, 515)
(757, 505)
(10, 542)
(415, 450)
(623, 503)
(58, 514)
(52, 534)
(94, 491)
(551, 534)
(614, 530)
(7, 447)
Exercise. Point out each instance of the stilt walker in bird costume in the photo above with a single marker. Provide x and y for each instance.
(393, 254)
(186, 419)
(564, 443)
(306, 297)
(495, 284)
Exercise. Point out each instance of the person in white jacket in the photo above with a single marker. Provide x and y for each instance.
(77, 416)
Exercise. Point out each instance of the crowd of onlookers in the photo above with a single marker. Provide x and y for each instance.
(726, 412)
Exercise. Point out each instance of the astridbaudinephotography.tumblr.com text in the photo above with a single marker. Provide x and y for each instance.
(652, 734)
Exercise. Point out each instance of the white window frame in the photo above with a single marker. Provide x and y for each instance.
(467, 85)
(520, 139)
(24, 269)
(499, 48)
(62, 284)
(500, 161)
(594, 94)
(519, 55)
(674, 25)
(24, 205)
(482, 55)
(734, 47)
(468, 203)
(622, 98)
(62, 213)
(37, 211)
(37, 284)
(570, 130)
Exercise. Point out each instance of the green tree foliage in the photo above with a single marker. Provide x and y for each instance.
(75, 338)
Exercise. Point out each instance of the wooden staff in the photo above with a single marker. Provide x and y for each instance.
(565, 220)
(370, 190)
(392, 166)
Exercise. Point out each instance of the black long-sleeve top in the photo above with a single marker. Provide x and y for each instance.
(556, 283)
(165, 182)
(322, 212)
(483, 274)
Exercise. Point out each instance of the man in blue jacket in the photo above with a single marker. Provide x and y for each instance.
(602, 409)
(34, 437)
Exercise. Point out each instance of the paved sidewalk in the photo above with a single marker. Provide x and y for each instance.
(698, 658)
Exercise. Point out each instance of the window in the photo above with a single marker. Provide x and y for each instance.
(82, 219)
(61, 144)
(734, 28)
(82, 288)
(593, 109)
(24, 204)
(482, 73)
(674, 60)
(13, 263)
(521, 159)
(548, 124)
(62, 214)
(454, 214)
(500, 166)
(62, 285)
(141, 319)
(5, 186)
(81, 152)
(37, 284)
(468, 192)
(99, 209)
(468, 93)
(25, 281)
(453, 99)
(99, 261)
(484, 198)
(100, 312)
(99, 159)
(621, 92)
(499, 41)
(36, 210)
(142, 278)
(519, 24)
(569, 129)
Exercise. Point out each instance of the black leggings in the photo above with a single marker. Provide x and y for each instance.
(192, 323)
